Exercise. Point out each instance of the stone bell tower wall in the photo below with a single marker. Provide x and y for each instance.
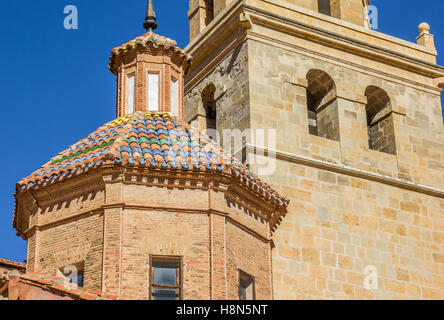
(351, 208)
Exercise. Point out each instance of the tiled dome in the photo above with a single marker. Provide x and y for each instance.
(145, 140)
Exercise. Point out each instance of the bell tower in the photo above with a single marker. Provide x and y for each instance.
(354, 11)
(202, 12)
(358, 147)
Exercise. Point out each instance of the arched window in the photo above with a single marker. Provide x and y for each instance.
(381, 132)
(323, 119)
(209, 7)
(209, 105)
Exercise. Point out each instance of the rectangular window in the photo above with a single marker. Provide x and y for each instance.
(165, 278)
(130, 93)
(153, 92)
(246, 287)
(174, 97)
(324, 7)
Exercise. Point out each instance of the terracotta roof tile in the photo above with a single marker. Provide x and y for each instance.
(96, 292)
(58, 287)
(149, 38)
(30, 277)
(45, 282)
(57, 284)
(13, 264)
(109, 297)
(87, 296)
(36, 273)
(75, 292)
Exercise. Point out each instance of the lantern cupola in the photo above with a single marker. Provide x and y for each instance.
(150, 72)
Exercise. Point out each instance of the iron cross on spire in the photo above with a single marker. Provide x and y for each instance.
(150, 23)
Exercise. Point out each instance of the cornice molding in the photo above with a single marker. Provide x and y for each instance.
(350, 171)
(348, 44)
(433, 89)
(235, 190)
(240, 10)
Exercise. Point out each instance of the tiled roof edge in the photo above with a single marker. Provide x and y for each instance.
(155, 40)
(54, 283)
(14, 264)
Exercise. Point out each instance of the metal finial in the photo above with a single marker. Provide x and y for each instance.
(150, 23)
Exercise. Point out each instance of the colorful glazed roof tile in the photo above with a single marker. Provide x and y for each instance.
(146, 140)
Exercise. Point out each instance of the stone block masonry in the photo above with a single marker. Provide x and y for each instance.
(361, 197)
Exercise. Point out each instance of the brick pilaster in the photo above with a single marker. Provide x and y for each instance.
(218, 258)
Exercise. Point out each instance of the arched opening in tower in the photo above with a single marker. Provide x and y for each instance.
(381, 132)
(323, 119)
(209, 105)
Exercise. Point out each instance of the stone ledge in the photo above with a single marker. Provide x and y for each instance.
(343, 169)
(401, 60)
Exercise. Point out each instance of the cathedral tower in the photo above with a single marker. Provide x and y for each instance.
(359, 139)
(203, 12)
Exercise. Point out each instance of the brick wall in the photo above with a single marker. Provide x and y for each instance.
(250, 255)
(78, 241)
(214, 247)
(119, 222)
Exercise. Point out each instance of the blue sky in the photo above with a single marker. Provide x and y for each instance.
(56, 88)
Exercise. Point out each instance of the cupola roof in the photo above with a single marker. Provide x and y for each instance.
(149, 40)
(146, 140)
